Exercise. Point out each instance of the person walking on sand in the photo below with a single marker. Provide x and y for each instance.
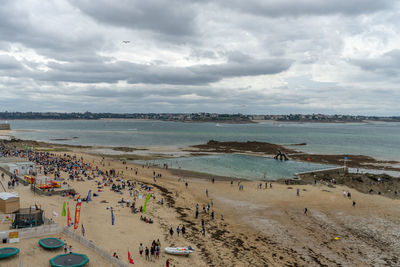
(305, 211)
(147, 252)
(207, 192)
(178, 230)
(298, 192)
(354, 204)
(152, 252)
(183, 230)
(141, 249)
(171, 231)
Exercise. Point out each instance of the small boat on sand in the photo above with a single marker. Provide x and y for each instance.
(179, 250)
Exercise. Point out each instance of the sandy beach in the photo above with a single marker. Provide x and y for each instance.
(253, 227)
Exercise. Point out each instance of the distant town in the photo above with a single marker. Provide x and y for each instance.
(193, 117)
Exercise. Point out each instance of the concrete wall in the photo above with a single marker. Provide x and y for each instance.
(4, 126)
(340, 170)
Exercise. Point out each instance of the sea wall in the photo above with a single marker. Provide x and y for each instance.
(5, 126)
(339, 170)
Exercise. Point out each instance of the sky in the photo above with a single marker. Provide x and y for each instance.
(250, 57)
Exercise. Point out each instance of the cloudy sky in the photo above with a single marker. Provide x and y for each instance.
(253, 56)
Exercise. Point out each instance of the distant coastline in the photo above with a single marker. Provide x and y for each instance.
(199, 117)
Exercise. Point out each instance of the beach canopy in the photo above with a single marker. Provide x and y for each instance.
(8, 252)
(71, 260)
(51, 243)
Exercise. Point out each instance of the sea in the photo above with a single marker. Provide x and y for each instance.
(380, 140)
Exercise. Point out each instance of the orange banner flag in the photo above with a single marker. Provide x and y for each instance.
(68, 216)
(77, 215)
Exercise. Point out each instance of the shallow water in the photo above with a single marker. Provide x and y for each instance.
(240, 166)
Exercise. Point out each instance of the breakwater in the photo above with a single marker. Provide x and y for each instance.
(4, 126)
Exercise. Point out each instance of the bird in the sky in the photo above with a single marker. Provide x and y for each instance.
(126, 42)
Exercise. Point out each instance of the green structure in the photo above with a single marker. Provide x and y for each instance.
(51, 243)
(8, 252)
(71, 260)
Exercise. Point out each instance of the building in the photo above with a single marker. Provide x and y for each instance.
(5, 126)
(9, 202)
(17, 166)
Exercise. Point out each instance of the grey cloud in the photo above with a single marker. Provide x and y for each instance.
(69, 43)
(387, 64)
(8, 62)
(154, 74)
(276, 8)
(168, 17)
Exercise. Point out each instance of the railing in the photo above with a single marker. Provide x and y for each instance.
(43, 230)
(329, 170)
(91, 245)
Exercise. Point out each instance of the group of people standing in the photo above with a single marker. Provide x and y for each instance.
(152, 253)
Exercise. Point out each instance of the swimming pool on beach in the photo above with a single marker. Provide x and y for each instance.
(239, 166)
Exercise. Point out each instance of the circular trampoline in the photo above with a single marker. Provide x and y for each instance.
(71, 260)
(8, 252)
(51, 243)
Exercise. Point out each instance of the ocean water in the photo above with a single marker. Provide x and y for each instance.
(380, 140)
(239, 166)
